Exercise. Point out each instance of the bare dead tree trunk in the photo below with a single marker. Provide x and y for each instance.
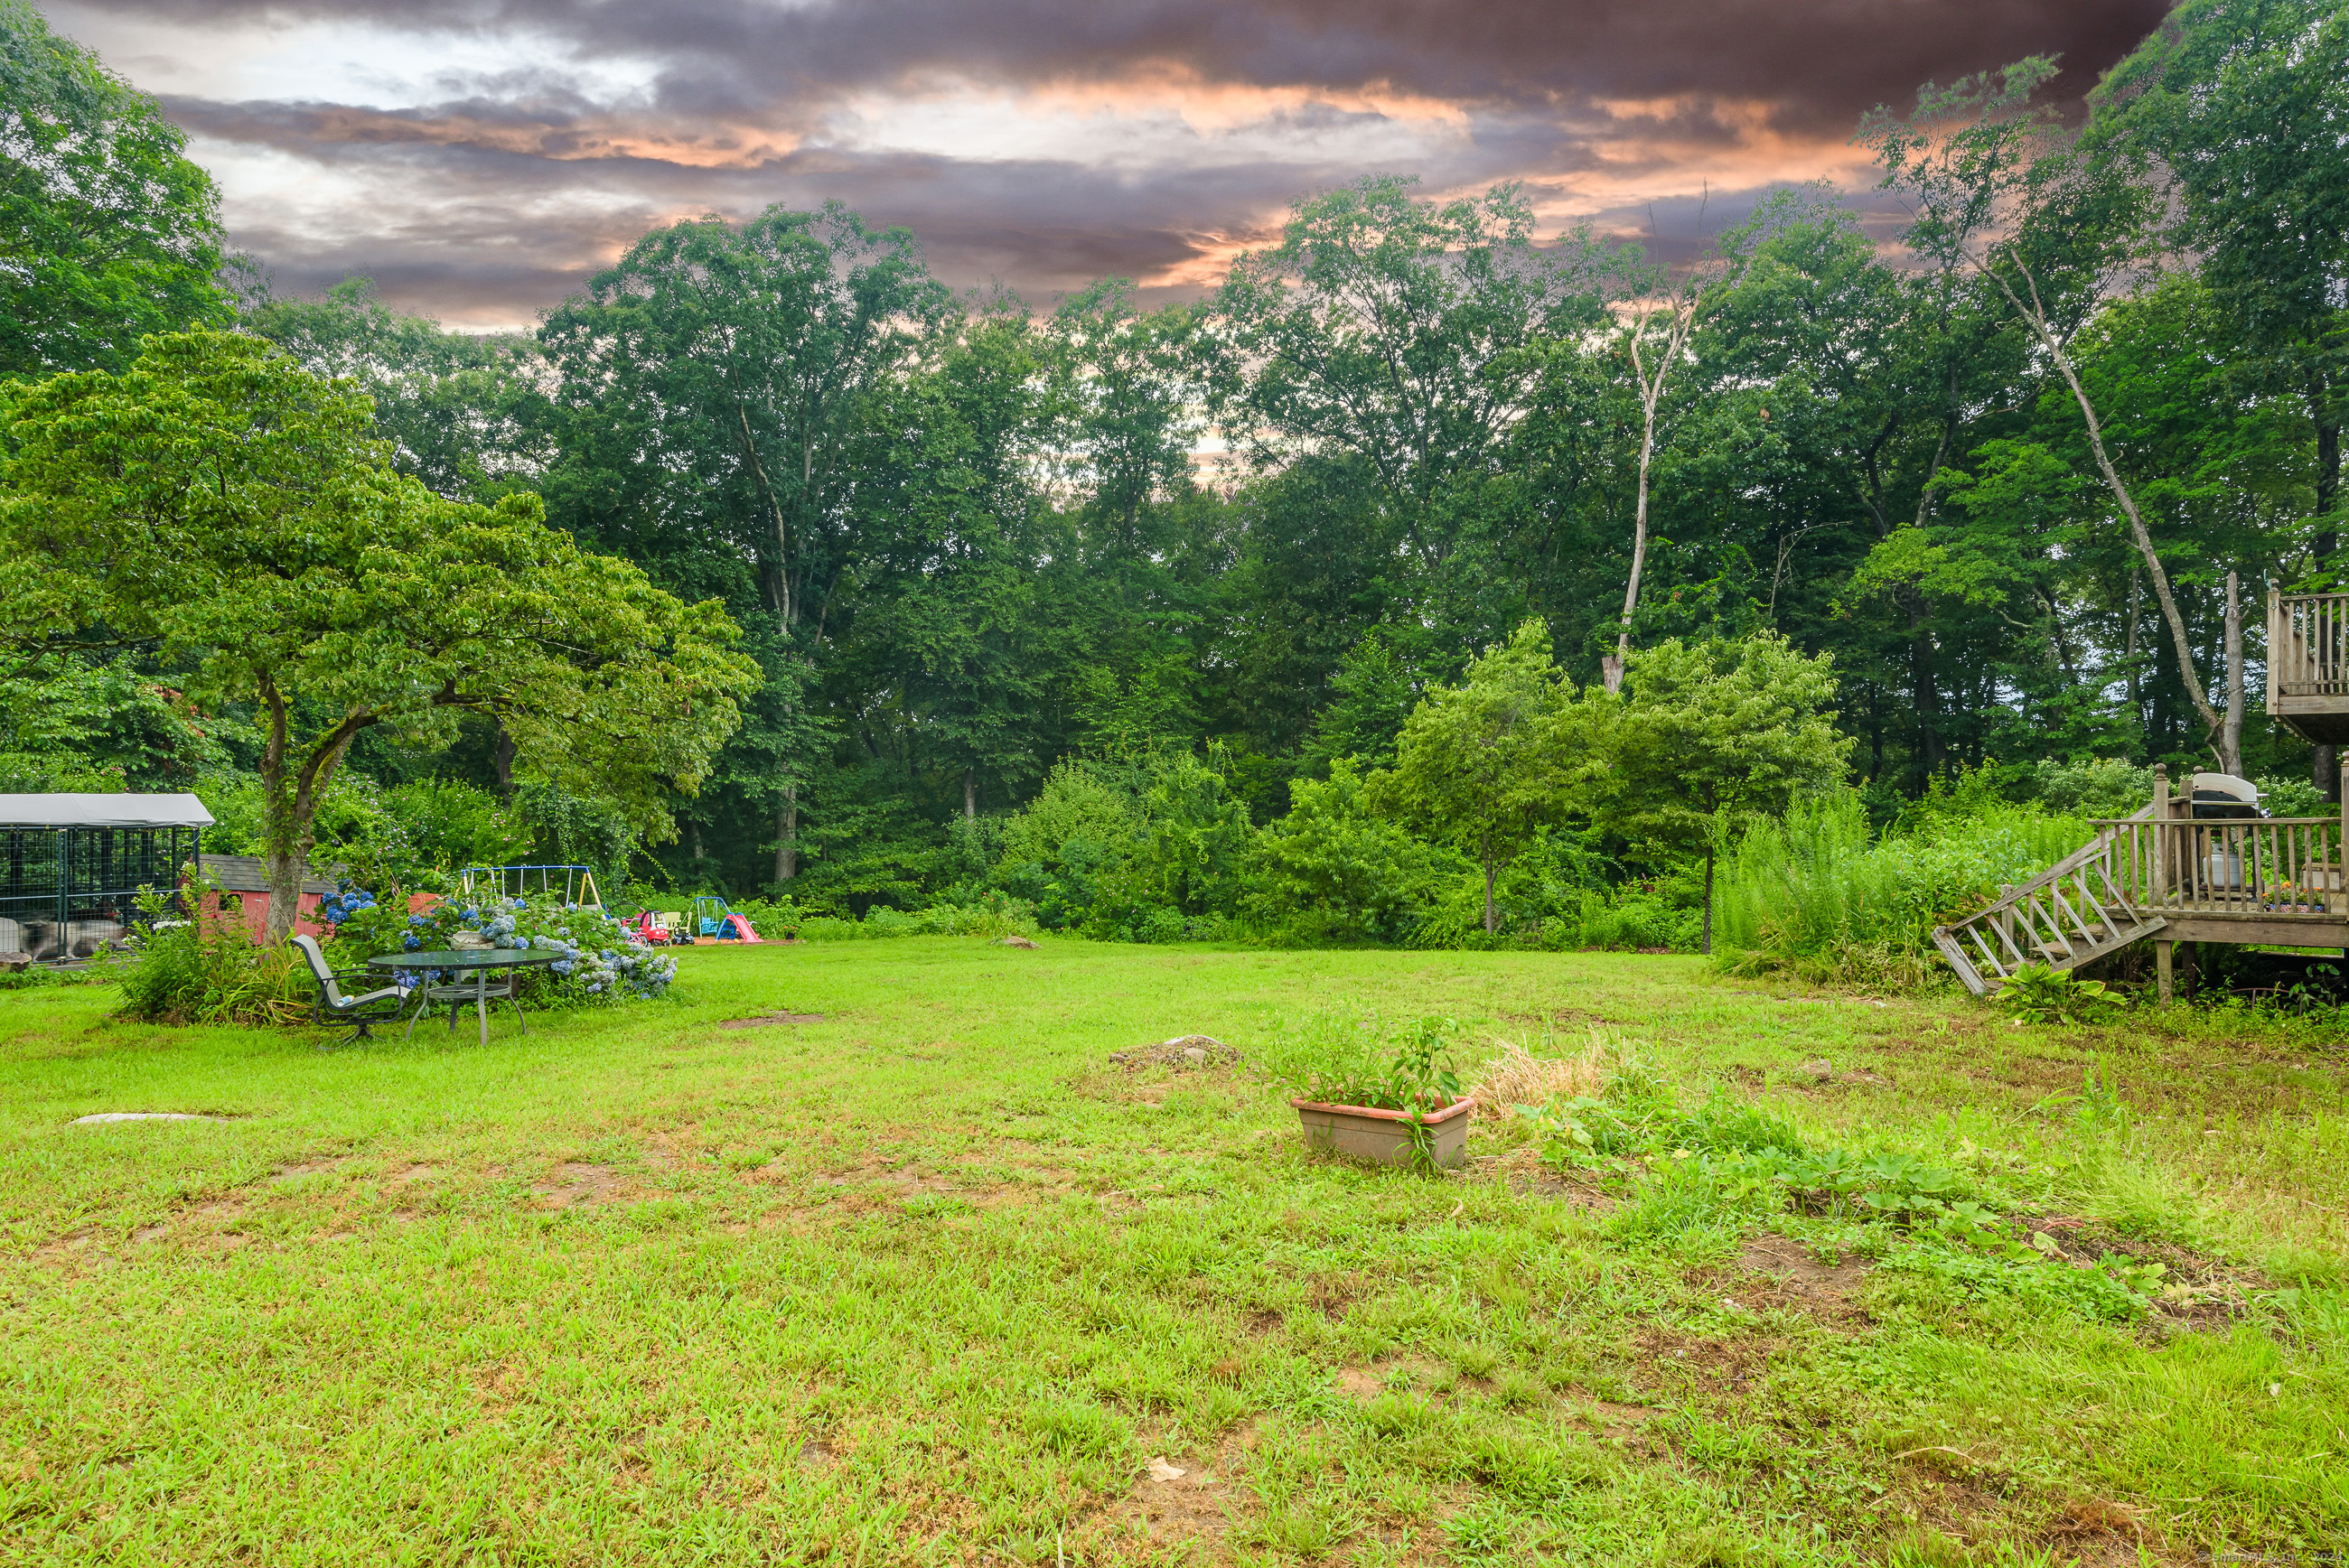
(1651, 393)
(2034, 312)
(970, 795)
(2231, 733)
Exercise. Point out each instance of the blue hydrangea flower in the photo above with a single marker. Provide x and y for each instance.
(410, 943)
(561, 966)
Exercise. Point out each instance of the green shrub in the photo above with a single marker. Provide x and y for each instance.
(207, 969)
(2041, 993)
(2096, 787)
(1334, 871)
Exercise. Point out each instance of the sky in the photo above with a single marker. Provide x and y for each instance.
(481, 159)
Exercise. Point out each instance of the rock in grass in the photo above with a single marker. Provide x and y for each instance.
(1819, 1071)
(1013, 942)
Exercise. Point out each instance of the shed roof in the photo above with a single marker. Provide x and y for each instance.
(250, 873)
(103, 812)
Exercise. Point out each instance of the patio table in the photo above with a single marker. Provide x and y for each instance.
(479, 962)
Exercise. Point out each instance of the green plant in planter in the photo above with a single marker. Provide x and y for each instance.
(1339, 1059)
(2041, 993)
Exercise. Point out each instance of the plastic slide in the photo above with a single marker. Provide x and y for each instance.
(742, 932)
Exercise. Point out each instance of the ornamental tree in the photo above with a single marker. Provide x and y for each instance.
(1485, 765)
(219, 504)
(1709, 733)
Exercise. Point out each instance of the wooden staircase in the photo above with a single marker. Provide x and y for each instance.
(2072, 913)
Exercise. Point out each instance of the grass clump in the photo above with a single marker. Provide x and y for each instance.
(1819, 895)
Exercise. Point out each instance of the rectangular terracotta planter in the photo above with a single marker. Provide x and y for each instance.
(1384, 1136)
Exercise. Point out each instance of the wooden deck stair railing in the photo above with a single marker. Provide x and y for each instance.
(2067, 915)
(2274, 880)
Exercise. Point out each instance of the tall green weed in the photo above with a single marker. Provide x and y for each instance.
(1817, 893)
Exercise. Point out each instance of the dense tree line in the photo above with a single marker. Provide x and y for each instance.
(2000, 474)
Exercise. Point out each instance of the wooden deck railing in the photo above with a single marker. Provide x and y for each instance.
(2281, 866)
(2308, 644)
(2142, 872)
(2068, 914)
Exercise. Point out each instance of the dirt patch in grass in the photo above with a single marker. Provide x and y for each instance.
(2093, 1533)
(1172, 1510)
(1614, 1417)
(1780, 1273)
(766, 1020)
(577, 1184)
(2199, 1293)
(1527, 1177)
(1183, 1051)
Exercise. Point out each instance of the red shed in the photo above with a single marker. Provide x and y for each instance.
(247, 877)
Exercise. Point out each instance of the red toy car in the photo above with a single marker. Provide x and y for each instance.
(655, 925)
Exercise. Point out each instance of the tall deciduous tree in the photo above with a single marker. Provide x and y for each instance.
(2001, 188)
(1133, 402)
(1485, 765)
(714, 384)
(715, 375)
(219, 504)
(1400, 331)
(107, 230)
(2239, 109)
(1710, 733)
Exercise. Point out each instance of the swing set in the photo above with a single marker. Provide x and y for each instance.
(572, 884)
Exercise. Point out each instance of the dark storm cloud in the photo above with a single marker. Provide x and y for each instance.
(502, 237)
(1820, 62)
(492, 202)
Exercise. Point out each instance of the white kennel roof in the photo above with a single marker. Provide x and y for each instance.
(103, 812)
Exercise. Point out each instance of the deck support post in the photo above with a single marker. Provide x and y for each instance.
(2165, 984)
(2159, 825)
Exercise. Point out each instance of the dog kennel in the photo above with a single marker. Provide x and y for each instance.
(72, 867)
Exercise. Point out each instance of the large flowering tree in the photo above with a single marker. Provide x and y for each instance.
(219, 502)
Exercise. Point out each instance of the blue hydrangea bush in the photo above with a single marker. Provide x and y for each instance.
(598, 960)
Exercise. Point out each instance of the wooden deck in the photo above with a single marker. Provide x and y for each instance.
(2307, 664)
(2160, 875)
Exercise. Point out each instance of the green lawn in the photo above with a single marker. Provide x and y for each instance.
(931, 1280)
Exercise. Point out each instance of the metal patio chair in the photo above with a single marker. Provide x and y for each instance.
(336, 1010)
